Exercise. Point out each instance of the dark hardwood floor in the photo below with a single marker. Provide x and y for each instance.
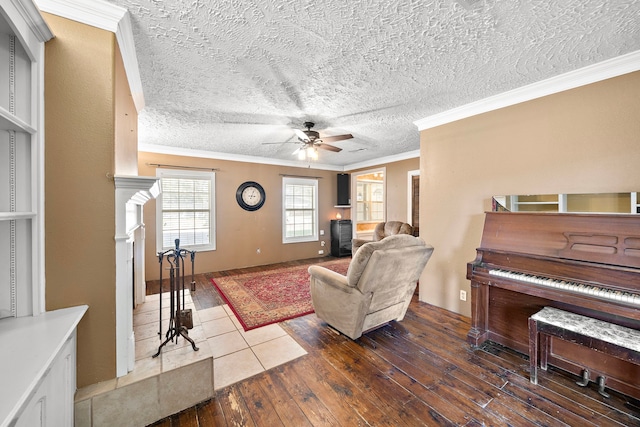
(420, 371)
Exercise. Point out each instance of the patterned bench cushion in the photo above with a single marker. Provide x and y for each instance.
(598, 329)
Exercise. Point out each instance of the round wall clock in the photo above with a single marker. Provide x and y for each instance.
(250, 196)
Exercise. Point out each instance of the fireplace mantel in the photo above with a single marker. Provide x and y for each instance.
(132, 192)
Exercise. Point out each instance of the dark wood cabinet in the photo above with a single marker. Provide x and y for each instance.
(341, 237)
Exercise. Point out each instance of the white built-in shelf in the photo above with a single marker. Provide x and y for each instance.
(635, 206)
(612, 203)
(10, 122)
(8, 216)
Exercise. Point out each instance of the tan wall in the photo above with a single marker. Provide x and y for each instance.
(79, 197)
(126, 122)
(398, 189)
(240, 233)
(579, 141)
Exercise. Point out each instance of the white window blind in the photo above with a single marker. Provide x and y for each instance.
(186, 209)
(300, 210)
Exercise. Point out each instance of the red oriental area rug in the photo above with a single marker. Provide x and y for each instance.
(260, 299)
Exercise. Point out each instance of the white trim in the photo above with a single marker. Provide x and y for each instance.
(384, 160)
(109, 17)
(124, 35)
(175, 151)
(97, 13)
(188, 152)
(591, 74)
(31, 16)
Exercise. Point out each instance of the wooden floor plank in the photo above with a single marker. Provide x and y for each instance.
(234, 408)
(259, 404)
(186, 418)
(329, 385)
(315, 410)
(210, 414)
(417, 372)
(290, 413)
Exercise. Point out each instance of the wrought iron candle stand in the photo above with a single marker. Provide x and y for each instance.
(180, 319)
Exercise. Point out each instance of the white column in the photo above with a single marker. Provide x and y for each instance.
(137, 191)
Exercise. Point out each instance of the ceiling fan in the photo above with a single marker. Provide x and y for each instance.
(310, 141)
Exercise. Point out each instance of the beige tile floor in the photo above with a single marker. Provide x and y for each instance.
(237, 354)
(226, 354)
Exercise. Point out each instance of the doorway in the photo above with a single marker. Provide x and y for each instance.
(413, 198)
(369, 188)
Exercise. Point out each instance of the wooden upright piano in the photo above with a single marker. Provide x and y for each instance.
(583, 263)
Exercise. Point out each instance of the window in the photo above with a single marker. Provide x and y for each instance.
(300, 210)
(186, 208)
(370, 201)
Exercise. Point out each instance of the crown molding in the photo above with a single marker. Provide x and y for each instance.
(187, 152)
(31, 15)
(383, 160)
(614, 67)
(109, 17)
(28, 25)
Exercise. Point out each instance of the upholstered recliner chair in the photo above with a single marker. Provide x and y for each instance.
(382, 230)
(377, 289)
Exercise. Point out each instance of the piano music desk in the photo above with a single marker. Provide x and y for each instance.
(618, 341)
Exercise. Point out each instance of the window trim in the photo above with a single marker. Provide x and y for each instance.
(313, 182)
(173, 173)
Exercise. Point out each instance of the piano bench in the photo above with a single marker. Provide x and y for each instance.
(618, 341)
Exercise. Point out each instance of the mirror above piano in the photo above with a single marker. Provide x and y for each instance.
(608, 203)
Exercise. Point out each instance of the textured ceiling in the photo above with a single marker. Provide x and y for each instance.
(229, 76)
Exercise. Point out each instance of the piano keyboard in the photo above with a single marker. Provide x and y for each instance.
(605, 293)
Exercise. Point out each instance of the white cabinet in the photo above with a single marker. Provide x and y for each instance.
(38, 368)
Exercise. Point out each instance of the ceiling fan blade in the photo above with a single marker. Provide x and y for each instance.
(329, 147)
(336, 138)
(303, 136)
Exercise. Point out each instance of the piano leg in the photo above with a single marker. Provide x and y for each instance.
(479, 314)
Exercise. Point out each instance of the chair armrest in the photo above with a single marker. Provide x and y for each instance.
(356, 243)
(329, 277)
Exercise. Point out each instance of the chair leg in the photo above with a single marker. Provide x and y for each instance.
(533, 351)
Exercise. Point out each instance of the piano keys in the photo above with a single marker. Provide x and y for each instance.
(588, 264)
(569, 286)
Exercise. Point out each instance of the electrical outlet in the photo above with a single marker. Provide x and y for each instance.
(322, 232)
(322, 243)
(463, 295)
(258, 250)
(320, 252)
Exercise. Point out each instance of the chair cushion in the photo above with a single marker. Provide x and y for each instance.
(390, 228)
(362, 256)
